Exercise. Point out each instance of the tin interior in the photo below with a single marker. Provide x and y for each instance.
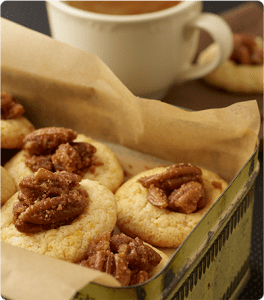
(213, 261)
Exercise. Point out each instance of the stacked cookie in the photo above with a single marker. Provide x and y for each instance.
(163, 205)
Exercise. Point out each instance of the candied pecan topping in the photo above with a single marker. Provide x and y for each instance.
(48, 200)
(10, 108)
(173, 177)
(74, 158)
(53, 148)
(246, 50)
(186, 198)
(179, 188)
(127, 259)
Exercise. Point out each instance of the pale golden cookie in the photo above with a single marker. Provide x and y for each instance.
(233, 77)
(156, 226)
(109, 174)
(8, 188)
(67, 242)
(13, 131)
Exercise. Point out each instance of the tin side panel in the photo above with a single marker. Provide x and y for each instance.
(220, 270)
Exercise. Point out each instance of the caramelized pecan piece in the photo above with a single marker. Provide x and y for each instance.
(122, 272)
(73, 158)
(127, 259)
(173, 177)
(157, 197)
(96, 261)
(48, 200)
(46, 140)
(246, 50)
(179, 188)
(10, 108)
(101, 242)
(117, 241)
(140, 256)
(186, 198)
(36, 162)
(139, 277)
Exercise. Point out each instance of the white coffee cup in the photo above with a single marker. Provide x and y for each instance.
(148, 52)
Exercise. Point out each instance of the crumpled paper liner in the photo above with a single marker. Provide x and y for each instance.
(63, 86)
(27, 275)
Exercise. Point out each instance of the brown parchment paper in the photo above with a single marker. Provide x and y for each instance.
(63, 86)
(26, 275)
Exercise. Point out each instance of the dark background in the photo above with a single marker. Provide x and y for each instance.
(32, 14)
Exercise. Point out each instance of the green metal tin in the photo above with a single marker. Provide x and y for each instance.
(213, 261)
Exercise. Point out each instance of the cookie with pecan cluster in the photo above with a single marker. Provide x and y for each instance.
(243, 71)
(161, 206)
(57, 214)
(14, 126)
(62, 149)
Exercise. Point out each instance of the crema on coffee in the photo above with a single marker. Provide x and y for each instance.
(122, 7)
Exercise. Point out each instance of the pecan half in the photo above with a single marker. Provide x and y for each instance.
(10, 108)
(157, 197)
(246, 50)
(179, 188)
(46, 140)
(186, 198)
(48, 200)
(173, 177)
(127, 259)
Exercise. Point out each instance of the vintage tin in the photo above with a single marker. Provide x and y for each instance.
(213, 261)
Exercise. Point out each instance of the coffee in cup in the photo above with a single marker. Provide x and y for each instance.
(122, 7)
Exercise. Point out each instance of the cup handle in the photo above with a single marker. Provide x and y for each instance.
(222, 35)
